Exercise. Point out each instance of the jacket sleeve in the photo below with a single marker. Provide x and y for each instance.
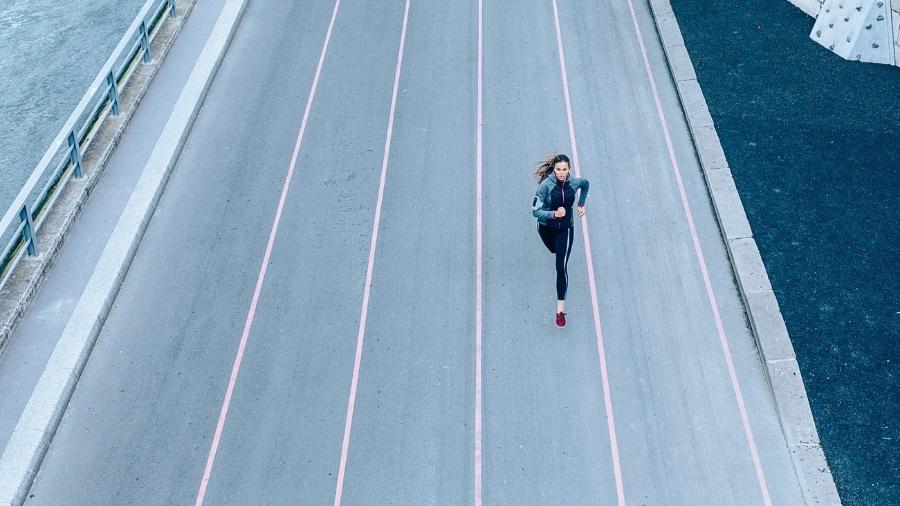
(537, 205)
(585, 186)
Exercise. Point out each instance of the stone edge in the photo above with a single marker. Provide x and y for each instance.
(29, 275)
(22, 457)
(763, 312)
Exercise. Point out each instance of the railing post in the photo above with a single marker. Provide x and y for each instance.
(113, 92)
(75, 154)
(171, 7)
(28, 230)
(145, 42)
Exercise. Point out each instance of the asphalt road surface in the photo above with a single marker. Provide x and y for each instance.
(391, 320)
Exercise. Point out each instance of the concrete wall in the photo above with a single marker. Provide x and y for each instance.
(895, 20)
(812, 8)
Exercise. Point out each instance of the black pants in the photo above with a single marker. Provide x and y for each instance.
(559, 241)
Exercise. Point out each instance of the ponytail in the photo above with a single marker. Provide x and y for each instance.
(545, 168)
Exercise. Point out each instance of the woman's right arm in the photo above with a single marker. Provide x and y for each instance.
(537, 205)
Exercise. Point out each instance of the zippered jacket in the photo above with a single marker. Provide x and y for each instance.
(553, 194)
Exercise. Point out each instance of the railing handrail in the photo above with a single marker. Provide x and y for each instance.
(93, 102)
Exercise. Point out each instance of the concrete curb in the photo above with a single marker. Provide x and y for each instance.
(36, 426)
(768, 326)
(29, 275)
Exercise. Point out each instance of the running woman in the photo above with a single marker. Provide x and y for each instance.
(552, 206)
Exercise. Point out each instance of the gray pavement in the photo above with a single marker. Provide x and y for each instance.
(138, 426)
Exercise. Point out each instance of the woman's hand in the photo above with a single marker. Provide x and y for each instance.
(560, 212)
(580, 211)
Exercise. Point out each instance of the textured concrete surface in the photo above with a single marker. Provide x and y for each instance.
(860, 32)
(892, 16)
(895, 17)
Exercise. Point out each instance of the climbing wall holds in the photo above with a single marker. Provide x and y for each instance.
(861, 32)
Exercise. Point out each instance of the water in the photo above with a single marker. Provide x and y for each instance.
(50, 52)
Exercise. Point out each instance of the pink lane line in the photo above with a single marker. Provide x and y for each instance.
(703, 268)
(223, 413)
(607, 399)
(339, 489)
(478, 264)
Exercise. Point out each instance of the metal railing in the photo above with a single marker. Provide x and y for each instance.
(63, 159)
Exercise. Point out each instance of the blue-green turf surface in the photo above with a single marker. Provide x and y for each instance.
(814, 145)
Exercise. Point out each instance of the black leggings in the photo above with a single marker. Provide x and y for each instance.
(559, 241)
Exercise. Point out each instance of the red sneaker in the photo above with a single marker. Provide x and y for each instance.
(560, 320)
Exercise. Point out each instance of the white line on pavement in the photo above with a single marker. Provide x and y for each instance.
(698, 250)
(478, 261)
(339, 488)
(610, 420)
(201, 493)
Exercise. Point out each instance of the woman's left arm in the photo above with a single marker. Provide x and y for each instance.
(585, 185)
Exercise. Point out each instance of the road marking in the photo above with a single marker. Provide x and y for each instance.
(703, 268)
(262, 271)
(610, 421)
(339, 489)
(478, 264)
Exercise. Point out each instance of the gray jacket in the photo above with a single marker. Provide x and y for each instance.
(552, 194)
